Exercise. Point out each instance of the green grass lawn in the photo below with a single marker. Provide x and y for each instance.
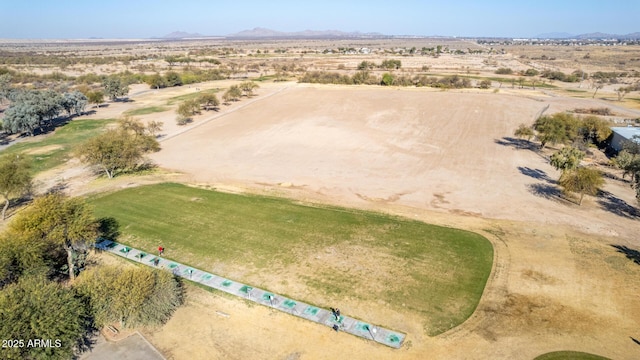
(569, 355)
(146, 110)
(443, 270)
(64, 139)
(190, 96)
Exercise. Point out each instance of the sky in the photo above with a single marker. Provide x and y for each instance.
(71, 19)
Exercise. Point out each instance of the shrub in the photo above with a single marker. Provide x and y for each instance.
(504, 71)
(387, 79)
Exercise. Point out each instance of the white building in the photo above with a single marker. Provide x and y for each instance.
(624, 134)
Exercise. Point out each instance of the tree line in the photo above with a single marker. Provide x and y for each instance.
(209, 101)
(32, 110)
(387, 79)
(187, 76)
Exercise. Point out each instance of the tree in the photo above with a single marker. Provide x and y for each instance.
(129, 124)
(34, 309)
(391, 64)
(61, 222)
(74, 102)
(581, 180)
(524, 131)
(363, 77)
(188, 108)
(5, 87)
(598, 85)
(595, 129)
(485, 84)
(568, 158)
(172, 78)
(115, 87)
(19, 256)
(133, 296)
(30, 109)
(623, 91)
(247, 87)
(557, 128)
(172, 59)
(387, 79)
(156, 81)
(96, 97)
(623, 160)
(118, 150)
(15, 178)
(632, 168)
(232, 94)
(154, 127)
(209, 100)
(504, 71)
(21, 118)
(366, 65)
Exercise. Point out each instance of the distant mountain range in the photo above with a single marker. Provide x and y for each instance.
(595, 35)
(182, 35)
(268, 33)
(320, 34)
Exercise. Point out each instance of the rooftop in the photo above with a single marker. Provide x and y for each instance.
(627, 132)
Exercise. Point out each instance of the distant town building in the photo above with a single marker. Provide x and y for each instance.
(624, 134)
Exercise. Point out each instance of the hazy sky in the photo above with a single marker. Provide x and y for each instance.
(149, 18)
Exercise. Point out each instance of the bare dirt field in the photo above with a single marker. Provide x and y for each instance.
(420, 148)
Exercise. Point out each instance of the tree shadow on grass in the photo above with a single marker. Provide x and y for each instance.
(631, 254)
(108, 228)
(614, 205)
(536, 174)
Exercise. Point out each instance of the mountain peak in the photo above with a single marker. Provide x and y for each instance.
(182, 35)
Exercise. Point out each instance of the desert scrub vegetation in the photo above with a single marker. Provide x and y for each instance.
(171, 78)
